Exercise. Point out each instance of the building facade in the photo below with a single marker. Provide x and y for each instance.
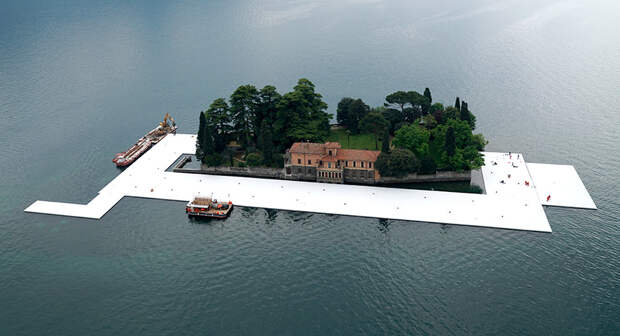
(328, 162)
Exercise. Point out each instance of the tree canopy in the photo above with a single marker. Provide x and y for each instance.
(374, 123)
(349, 113)
(253, 117)
(413, 138)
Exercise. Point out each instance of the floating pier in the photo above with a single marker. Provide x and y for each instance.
(509, 202)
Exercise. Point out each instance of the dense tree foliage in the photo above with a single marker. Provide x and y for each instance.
(414, 138)
(405, 107)
(301, 116)
(385, 141)
(374, 123)
(253, 117)
(350, 112)
(461, 148)
(218, 116)
(398, 163)
(243, 106)
(427, 135)
(440, 138)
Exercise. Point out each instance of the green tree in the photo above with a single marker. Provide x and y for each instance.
(457, 103)
(450, 143)
(301, 116)
(218, 115)
(202, 122)
(266, 109)
(385, 141)
(397, 100)
(243, 104)
(342, 111)
(427, 165)
(427, 94)
(402, 162)
(467, 116)
(265, 143)
(374, 123)
(254, 159)
(413, 138)
(437, 112)
(429, 121)
(383, 164)
(418, 106)
(394, 117)
(349, 113)
(451, 113)
(461, 148)
(358, 110)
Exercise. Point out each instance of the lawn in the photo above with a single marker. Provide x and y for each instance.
(354, 141)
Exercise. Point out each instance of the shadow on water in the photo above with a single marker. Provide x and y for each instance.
(205, 220)
(384, 225)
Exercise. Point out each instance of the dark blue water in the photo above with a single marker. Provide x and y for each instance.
(80, 82)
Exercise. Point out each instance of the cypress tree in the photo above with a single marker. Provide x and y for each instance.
(385, 145)
(208, 147)
(465, 112)
(457, 103)
(201, 134)
(450, 144)
(427, 94)
(265, 142)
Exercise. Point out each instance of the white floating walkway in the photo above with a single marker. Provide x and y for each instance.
(508, 205)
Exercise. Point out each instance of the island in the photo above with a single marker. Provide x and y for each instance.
(423, 137)
(262, 133)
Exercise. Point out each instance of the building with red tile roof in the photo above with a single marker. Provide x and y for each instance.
(328, 162)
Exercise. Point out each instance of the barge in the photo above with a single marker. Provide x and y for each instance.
(143, 144)
(208, 207)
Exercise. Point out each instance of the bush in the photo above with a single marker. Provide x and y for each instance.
(427, 166)
(254, 159)
(383, 164)
(397, 164)
(402, 162)
(213, 160)
(278, 161)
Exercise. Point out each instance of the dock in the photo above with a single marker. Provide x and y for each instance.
(509, 202)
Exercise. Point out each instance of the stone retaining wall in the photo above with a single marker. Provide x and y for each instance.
(279, 173)
(263, 172)
(440, 176)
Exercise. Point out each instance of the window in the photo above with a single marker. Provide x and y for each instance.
(309, 162)
(362, 164)
(353, 163)
(346, 163)
(329, 165)
(330, 153)
(298, 161)
(369, 164)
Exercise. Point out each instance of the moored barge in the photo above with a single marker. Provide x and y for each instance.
(143, 144)
(208, 207)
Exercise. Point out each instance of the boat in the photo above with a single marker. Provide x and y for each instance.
(143, 144)
(208, 207)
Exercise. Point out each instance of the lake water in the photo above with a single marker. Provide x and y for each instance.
(80, 82)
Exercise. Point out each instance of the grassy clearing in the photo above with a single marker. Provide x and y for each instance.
(354, 141)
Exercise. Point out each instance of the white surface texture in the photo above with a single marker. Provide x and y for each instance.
(508, 205)
(562, 183)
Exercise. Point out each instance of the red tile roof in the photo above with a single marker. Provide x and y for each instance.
(358, 154)
(307, 148)
(341, 154)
